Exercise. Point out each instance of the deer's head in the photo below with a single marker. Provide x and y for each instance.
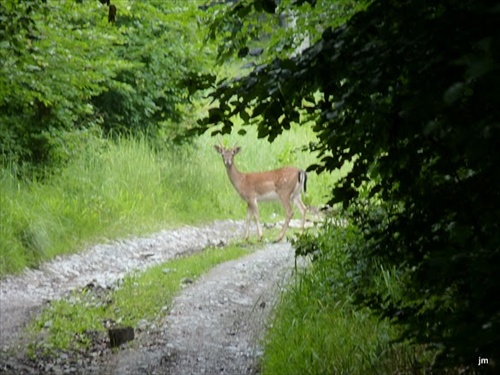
(227, 154)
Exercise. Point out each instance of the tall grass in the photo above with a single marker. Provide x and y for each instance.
(317, 329)
(311, 336)
(121, 188)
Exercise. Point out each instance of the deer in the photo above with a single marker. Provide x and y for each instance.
(284, 184)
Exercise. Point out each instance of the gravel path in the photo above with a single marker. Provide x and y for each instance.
(216, 324)
(101, 264)
(213, 326)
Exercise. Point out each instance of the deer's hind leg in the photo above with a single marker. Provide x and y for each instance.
(297, 200)
(287, 205)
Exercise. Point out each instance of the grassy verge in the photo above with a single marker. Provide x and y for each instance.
(310, 336)
(70, 324)
(114, 189)
(318, 330)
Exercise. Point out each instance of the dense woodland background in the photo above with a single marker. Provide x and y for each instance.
(405, 93)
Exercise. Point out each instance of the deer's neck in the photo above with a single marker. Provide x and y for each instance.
(235, 176)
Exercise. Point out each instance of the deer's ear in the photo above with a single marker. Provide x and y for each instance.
(218, 149)
(236, 150)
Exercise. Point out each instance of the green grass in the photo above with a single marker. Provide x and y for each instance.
(115, 189)
(66, 323)
(316, 328)
(122, 189)
(311, 337)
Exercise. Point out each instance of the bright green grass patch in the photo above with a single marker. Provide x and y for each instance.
(124, 188)
(66, 324)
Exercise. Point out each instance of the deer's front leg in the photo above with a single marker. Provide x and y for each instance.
(247, 222)
(253, 210)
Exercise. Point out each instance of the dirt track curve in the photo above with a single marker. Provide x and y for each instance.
(214, 325)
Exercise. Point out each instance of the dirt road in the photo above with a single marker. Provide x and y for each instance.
(213, 326)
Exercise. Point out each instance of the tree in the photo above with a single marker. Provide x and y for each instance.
(278, 30)
(163, 44)
(55, 57)
(66, 68)
(409, 92)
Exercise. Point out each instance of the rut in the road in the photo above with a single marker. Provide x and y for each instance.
(215, 324)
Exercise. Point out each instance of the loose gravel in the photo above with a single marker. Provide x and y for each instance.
(214, 325)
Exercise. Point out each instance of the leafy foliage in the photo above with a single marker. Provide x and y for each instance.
(275, 27)
(409, 92)
(150, 96)
(66, 68)
(50, 73)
